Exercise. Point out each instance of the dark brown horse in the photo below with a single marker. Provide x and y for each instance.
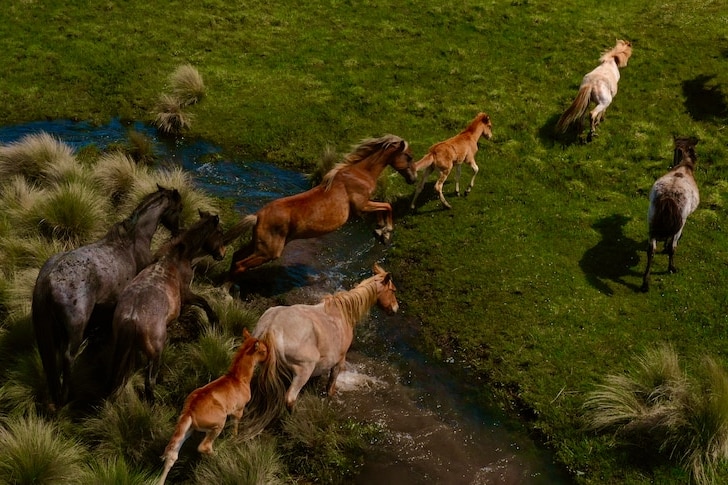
(72, 285)
(207, 408)
(346, 188)
(154, 298)
(673, 197)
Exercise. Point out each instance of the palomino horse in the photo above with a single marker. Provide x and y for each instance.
(309, 340)
(345, 188)
(673, 197)
(71, 285)
(207, 408)
(599, 87)
(154, 298)
(453, 152)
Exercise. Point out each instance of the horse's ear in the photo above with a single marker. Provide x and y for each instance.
(378, 269)
(387, 278)
(246, 334)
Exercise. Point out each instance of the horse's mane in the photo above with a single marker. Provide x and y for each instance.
(476, 121)
(620, 53)
(147, 201)
(360, 152)
(355, 303)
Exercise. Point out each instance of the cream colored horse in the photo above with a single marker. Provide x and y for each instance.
(453, 152)
(599, 87)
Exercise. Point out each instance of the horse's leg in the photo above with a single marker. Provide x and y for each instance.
(474, 166)
(206, 443)
(670, 246)
(651, 248)
(428, 170)
(597, 114)
(191, 298)
(458, 170)
(171, 452)
(440, 182)
(301, 375)
(69, 357)
(333, 375)
(150, 380)
(385, 222)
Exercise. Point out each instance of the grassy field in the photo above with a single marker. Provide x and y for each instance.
(530, 283)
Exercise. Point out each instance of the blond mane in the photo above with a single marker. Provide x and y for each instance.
(364, 150)
(620, 53)
(356, 303)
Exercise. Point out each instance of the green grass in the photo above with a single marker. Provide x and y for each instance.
(529, 282)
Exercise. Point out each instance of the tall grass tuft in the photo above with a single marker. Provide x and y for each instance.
(254, 462)
(171, 116)
(116, 471)
(141, 148)
(187, 85)
(328, 160)
(33, 155)
(73, 213)
(117, 173)
(658, 407)
(36, 452)
(322, 445)
(24, 386)
(130, 428)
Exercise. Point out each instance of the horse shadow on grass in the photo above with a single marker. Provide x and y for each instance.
(550, 138)
(613, 258)
(704, 100)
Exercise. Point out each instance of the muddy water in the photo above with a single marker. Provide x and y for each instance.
(435, 433)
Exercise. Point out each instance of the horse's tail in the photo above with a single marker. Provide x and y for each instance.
(667, 218)
(267, 400)
(181, 432)
(49, 336)
(424, 162)
(123, 362)
(576, 111)
(239, 229)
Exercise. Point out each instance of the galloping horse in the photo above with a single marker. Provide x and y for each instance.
(454, 151)
(309, 340)
(154, 298)
(673, 197)
(71, 285)
(207, 408)
(599, 86)
(345, 188)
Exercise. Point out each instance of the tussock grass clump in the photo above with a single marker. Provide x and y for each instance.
(187, 85)
(659, 408)
(36, 452)
(126, 420)
(24, 387)
(72, 213)
(116, 471)
(171, 116)
(253, 462)
(116, 173)
(321, 444)
(141, 148)
(33, 155)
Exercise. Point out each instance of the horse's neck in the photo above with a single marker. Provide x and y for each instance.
(242, 371)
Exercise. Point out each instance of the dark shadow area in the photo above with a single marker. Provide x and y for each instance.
(613, 258)
(549, 138)
(274, 279)
(704, 100)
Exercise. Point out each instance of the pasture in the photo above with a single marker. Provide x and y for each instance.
(530, 284)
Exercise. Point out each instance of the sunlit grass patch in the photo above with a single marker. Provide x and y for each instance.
(116, 174)
(33, 155)
(251, 462)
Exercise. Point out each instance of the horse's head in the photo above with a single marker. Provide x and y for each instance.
(486, 126)
(172, 214)
(386, 291)
(684, 150)
(258, 348)
(401, 160)
(214, 243)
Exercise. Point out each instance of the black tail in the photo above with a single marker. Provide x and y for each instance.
(50, 336)
(667, 219)
(123, 362)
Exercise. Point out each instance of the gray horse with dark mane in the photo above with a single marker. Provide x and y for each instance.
(72, 285)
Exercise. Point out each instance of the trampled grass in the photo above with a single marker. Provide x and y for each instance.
(530, 281)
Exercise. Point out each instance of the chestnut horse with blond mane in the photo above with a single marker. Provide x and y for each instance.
(346, 188)
(207, 408)
(599, 86)
(454, 151)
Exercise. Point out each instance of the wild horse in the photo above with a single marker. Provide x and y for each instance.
(154, 298)
(71, 285)
(207, 408)
(310, 340)
(346, 188)
(598, 86)
(673, 197)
